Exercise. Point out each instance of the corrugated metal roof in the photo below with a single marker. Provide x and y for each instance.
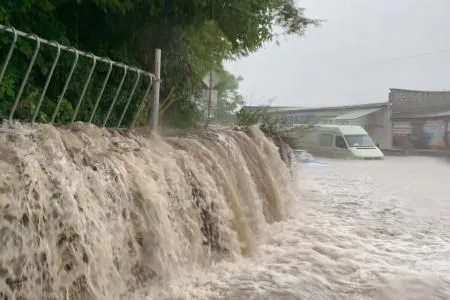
(283, 108)
(356, 114)
(287, 109)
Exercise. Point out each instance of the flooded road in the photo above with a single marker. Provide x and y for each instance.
(360, 230)
(113, 223)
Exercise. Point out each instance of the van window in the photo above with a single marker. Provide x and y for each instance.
(340, 142)
(326, 140)
(359, 140)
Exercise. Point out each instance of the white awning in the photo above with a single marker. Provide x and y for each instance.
(356, 114)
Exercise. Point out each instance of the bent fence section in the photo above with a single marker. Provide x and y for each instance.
(47, 82)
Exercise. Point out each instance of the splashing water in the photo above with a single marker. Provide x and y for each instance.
(356, 234)
(91, 214)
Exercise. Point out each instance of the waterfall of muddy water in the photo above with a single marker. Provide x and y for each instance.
(91, 214)
(362, 230)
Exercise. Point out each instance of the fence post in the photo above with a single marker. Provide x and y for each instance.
(155, 95)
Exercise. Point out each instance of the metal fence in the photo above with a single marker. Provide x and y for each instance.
(127, 88)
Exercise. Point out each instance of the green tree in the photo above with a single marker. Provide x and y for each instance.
(229, 98)
(195, 36)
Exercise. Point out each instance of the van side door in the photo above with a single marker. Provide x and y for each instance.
(326, 143)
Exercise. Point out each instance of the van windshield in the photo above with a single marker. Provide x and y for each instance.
(359, 140)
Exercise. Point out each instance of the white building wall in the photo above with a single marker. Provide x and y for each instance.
(378, 128)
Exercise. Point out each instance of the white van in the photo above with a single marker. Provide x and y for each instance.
(341, 141)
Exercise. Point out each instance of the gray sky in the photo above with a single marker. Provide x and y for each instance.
(364, 48)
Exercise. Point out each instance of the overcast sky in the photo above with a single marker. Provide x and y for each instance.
(364, 48)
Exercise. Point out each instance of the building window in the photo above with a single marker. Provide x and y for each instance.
(326, 140)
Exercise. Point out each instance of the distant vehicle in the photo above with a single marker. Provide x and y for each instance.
(307, 158)
(341, 141)
(304, 156)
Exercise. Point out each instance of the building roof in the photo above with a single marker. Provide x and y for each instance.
(272, 108)
(287, 109)
(356, 114)
(416, 91)
(421, 116)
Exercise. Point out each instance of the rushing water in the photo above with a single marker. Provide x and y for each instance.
(87, 214)
(360, 230)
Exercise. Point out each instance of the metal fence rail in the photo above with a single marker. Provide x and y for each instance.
(138, 77)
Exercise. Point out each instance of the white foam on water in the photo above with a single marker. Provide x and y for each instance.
(91, 214)
(355, 233)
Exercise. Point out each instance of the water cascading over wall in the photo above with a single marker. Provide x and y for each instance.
(88, 213)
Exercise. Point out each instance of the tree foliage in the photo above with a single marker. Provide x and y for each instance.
(273, 126)
(195, 36)
(229, 98)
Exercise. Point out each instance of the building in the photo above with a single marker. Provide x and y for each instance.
(414, 119)
(420, 119)
(374, 118)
